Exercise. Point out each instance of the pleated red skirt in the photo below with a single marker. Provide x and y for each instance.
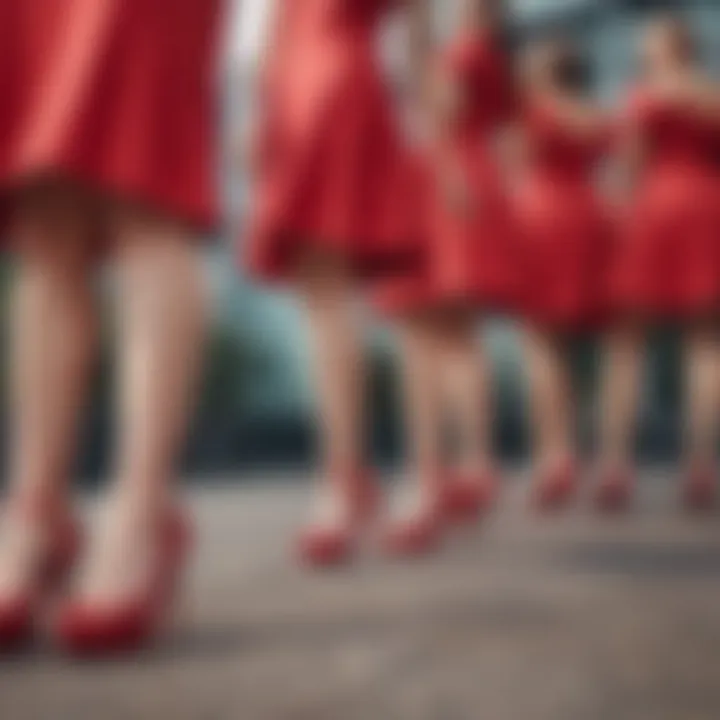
(118, 95)
(468, 258)
(667, 264)
(565, 240)
(336, 175)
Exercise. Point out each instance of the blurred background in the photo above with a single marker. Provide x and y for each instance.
(256, 409)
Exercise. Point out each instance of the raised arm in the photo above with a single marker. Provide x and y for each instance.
(705, 96)
(420, 44)
(630, 158)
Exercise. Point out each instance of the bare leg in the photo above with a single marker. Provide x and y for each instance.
(423, 410)
(551, 406)
(619, 399)
(327, 290)
(465, 371)
(161, 318)
(702, 382)
(51, 352)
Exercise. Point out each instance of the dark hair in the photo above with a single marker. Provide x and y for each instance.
(503, 31)
(573, 71)
(497, 25)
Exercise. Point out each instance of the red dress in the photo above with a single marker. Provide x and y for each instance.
(334, 173)
(114, 94)
(563, 227)
(668, 263)
(468, 258)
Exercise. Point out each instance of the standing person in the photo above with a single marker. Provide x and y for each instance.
(563, 234)
(334, 206)
(106, 155)
(667, 264)
(468, 271)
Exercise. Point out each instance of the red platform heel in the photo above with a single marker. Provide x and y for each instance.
(555, 489)
(84, 630)
(326, 547)
(467, 499)
(614, 492)
(18, 614)
(700, 490)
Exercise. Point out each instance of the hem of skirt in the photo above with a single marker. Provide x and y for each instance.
(199, 221)
(276, 264)
(577, 325)
(472, 302)
(661, 312)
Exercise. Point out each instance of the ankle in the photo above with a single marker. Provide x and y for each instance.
(142, 503)
(700, 461)
(37, 507)
(343, 473)
(479, 466)
(614, 471)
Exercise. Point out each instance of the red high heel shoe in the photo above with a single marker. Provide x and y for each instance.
(422, 533)
(418, 536)
(614, 492)
(81, 629)
(325, 547)
(699, 490)
(468, 499)
(18, 613)
(555, 488)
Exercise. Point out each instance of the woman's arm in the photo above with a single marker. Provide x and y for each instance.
(419, 50)
(513, 152)
(705, 95)
(585, 119)
(698, 92)
(625, 170)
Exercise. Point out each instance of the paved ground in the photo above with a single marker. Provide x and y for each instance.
(572, 618)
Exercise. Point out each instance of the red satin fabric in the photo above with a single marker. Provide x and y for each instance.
(668, 261)
(114, 94)
(468, 257)
(564, 230)
(334, 175)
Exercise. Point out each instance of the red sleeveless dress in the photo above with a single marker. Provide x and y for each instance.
(563, 227)
(334, 172)
(468, 259)
(668, 263)
(117, 95)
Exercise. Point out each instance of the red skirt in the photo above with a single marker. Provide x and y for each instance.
(667, 265)
(468, 258)
(118, 95)
(335, 175)
(564, 238)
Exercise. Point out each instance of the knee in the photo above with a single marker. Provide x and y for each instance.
(323, 283)
(142, 238)
(51, 234)
(457, 335)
